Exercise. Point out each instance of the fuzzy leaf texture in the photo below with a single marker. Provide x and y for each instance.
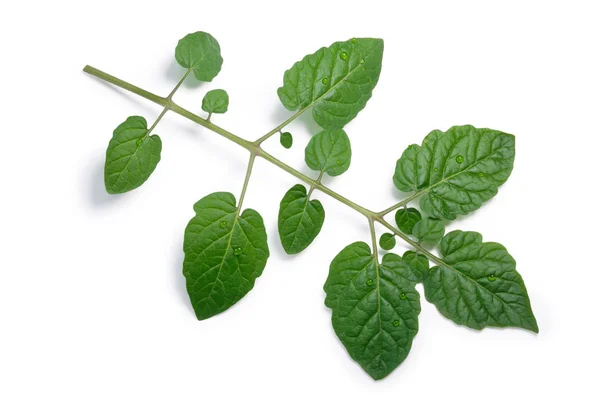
(201, 53)
(456, 171)
(375, 307)
(225, 251)
(215, 101)
(478, 284)
(131, 156)
(336, 81)
(329, 151)
(300, 220)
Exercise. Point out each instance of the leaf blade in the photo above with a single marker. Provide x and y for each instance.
(375, 308)
(215, 101)
(300, 220)
(200, 52)
(131, 156)
(225, 252)
(329, 151)
(429, 231)
(478, 285)
(456, 171)
(345, 71)
(406, 218)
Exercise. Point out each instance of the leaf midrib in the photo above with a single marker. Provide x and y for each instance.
(445, 264)
(235, 222)
(447, 179)
(130, 158)
(333, 86)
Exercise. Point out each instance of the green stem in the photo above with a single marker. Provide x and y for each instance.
(400, 204)
(170, 96)
(373, 239)
(246, 180)
(256, 151)
(125, 85)
(408, 240)
(312, 187)
(164, 111)
(279, 127)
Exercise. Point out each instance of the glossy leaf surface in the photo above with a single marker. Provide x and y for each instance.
(478, 284)
(131, 156)
(225, 251)
(336, 81)
(375, 307)
(456, 171)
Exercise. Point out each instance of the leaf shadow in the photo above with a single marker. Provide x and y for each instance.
(178, 278)
(280, 114)
(276, 248)
(174, 72)
(97, 194)
(138, 101)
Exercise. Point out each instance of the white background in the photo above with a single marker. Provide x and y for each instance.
(92, 299)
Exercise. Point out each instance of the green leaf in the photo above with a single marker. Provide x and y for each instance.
(406, 218)
(406, 175)
(456, 171)
(329, 151)
(300, 220)
(478, 284)
(375, 307)
(131, 156)
(225, 252)
(201, 53)
(387, 241)
(286, 139)
(336, 81)
(215, 101)
(418, 265)
(429, 231)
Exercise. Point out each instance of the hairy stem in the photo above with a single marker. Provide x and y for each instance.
(256, 151)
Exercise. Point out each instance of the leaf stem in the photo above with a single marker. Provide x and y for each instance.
(256, 151)
(373, 238)
(403, 203)
(279, 127)
(170, 96)
(246, 180)
(312, 187)
(164, 111)
(408, 240)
